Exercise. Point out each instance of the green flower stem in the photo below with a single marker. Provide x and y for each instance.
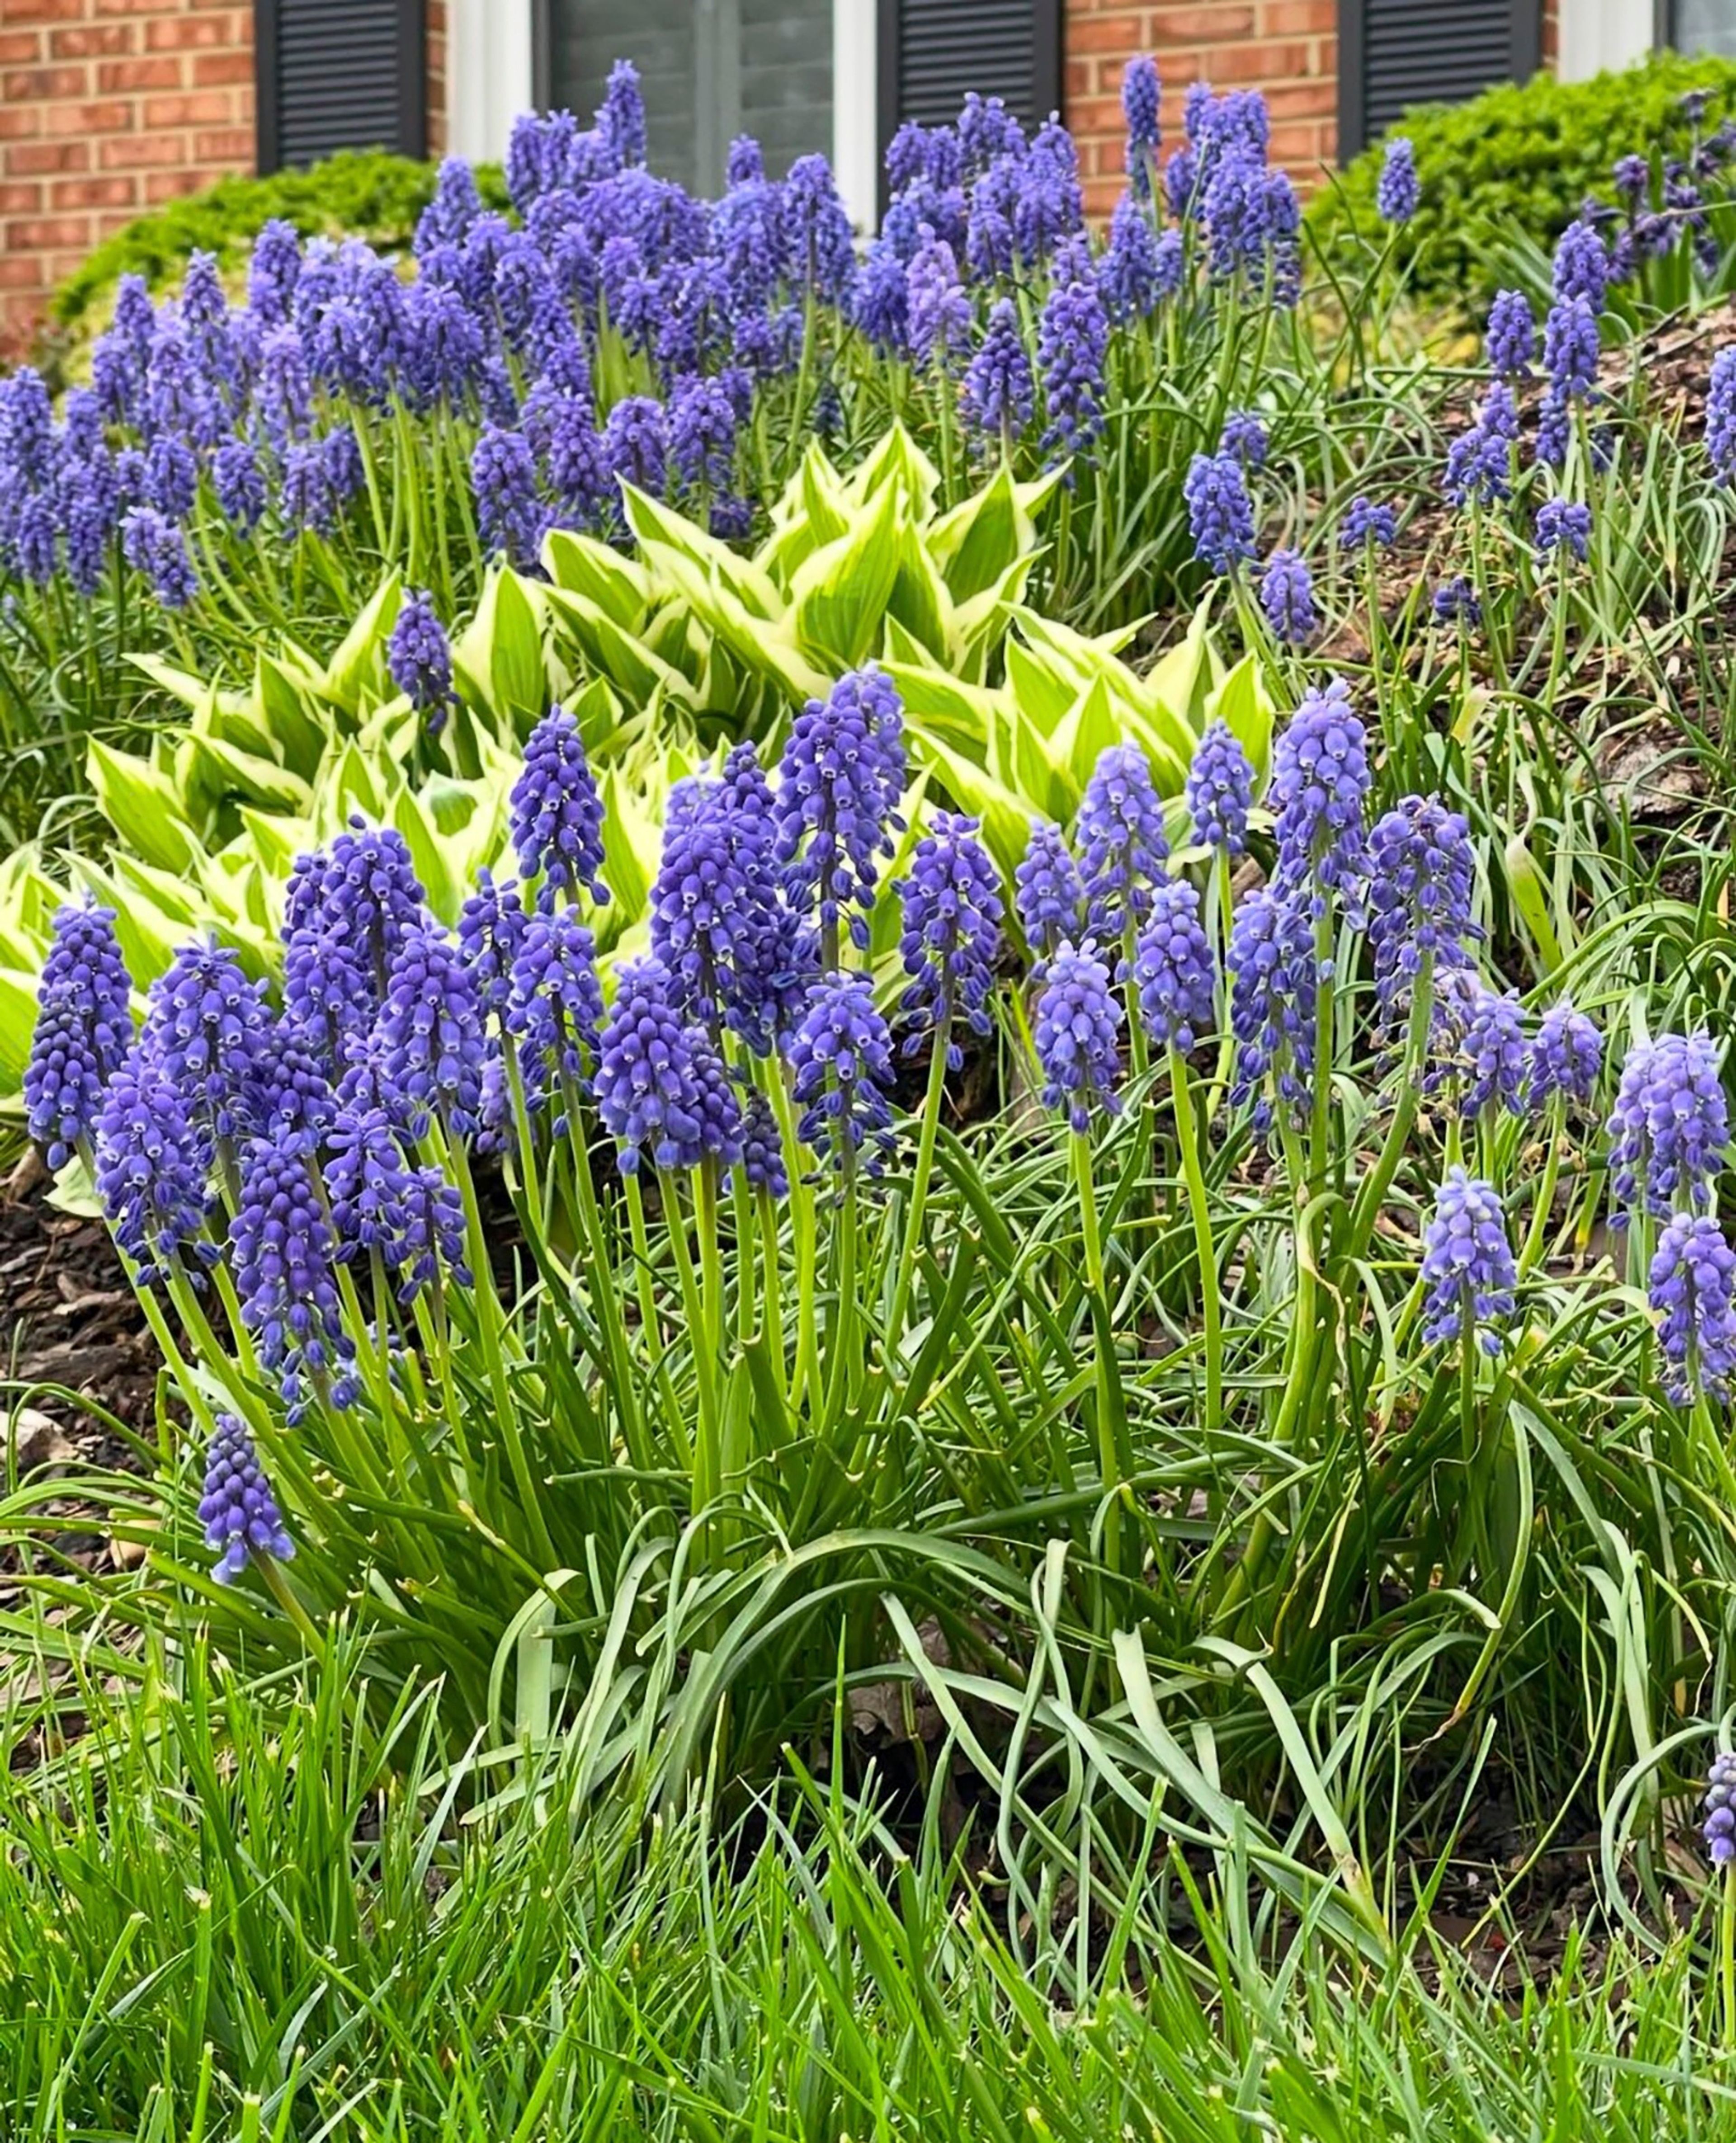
(707, 1459)
(1536, 1240)
(841, 1330)
(767, 1210)
(1378, 1181)
(1320, 1133)
(1114, 1456)
(1193, 1173)
(646, 1289)
(929, 1132)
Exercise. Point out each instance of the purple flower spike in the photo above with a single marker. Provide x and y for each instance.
(1718, 1824)
(841, 1059)
(429, 1035)
(1512, 335)
(1365, 522)
(1220, 515)
(1141, 93)
(1073, 342)
(419, 659)
(238, 1510)
(1244, 437)
(1398, 193)
(1563, 525)
(157, 549)
(557, 814)
(206, 1026)
(1124, 847)
(151, 1166)
(1669, 1130)
(1287, 595)
(382, 1204)
(1420, 875)
(1274, 983)
(997, 394)
(555, 1006)
(1077, 1032)
(283, 1249)
(83, 1030)
(1319, 782)
(1220, 790)
(1692, 1292)
(951, 940)
(1566, 1058)
(652, 1095)
(1493, 1053)
(1173, 969)
(1467, 1266)
(1050, 893)
(840, 783)
(1721, 415)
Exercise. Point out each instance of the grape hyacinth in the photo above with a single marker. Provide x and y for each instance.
(1420, 882)
(1319, 782)
(554, 1006)
(429, 1037)
(1244, 436)
(1692, 1288)
(1122, 840)
(841, 1060)
(1073, 341)
(1566, 1058)
(237, 1508)
(1274, 989)
(418, 658)
(1492, 1049)
(951, 938)
(1669, 1130)
(206, 1026)
(1173, 970)
(83, 1030)
(1141, 95)
(1469, 1275)
(997, 394)
(152, 1165)
(1219, 790)
(509, 516)
(284, 1253)
(659, 1087)
(1721, 415)
(1287, 595)
(1563, 525)
(1050, 894)
(839, 782)
(158, 549)
(1077, 1033)
(1398, 191)
(1365, 522)
(1220, 518)
(383, 1206)
(557, 814)
(1511, 340)
(1718, 1825)
(1455, 602)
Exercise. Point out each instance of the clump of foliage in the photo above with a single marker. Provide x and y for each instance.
(1517, 164)
(366, 193)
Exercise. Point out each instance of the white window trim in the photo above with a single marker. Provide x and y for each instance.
(490, 80)
(1596, 34)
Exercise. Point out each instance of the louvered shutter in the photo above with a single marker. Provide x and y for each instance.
(1395, 53)
(340, 74)
(709, 69)
(931, 52)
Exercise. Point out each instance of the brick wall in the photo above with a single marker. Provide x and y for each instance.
(1287, 48)
(436, 77)
(107, 107)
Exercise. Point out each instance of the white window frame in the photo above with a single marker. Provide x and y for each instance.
(490, 80)
(1596, 34)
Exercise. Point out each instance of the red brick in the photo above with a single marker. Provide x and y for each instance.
(32, 156)
(45, 11)
(20, 271)
(110, 7)
(1303, 100)
(106, 118)
(22, 85)
(117, 192)
(125, 77)
(143, 151)
(169, 185)
(206, 108)
(33, 234)
(207, 33)
(211, 68)
(230, 145)
(21, 47)
(91, 43)
(19, 121)
(1102, 33)
(21, 200)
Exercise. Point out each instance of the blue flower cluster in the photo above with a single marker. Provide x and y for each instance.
(613, 328)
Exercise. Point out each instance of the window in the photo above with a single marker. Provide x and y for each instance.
(1393, 53)
(1704, 26)
(710, 70)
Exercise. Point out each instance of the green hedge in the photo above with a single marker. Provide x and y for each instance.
(1518, 162)
(365, 191)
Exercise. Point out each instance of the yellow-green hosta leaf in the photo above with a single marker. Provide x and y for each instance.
(177, 896)
(276, 842)
(1041, 692)
(348, 784)
(445, 895)
(1184, 677)
(920, 600)
(815, 510)
(1090, 725)
(1041, 768)
(359, 665)
(1525, 881)
(230, 775)
(149, 937)
(898, 459)
(975, 543)
(619, 586)
(666, 536)
(765, 650)
(631, 840)
(963, 717)
(291, 715)
(17, 1024)
(981, 626)
(622, 656)
(1078, 655)
(140, 802)
(839, 595)
(516, 669)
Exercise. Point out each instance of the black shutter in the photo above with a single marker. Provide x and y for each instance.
(932, 51)
(1395, 53)
(340, 74)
